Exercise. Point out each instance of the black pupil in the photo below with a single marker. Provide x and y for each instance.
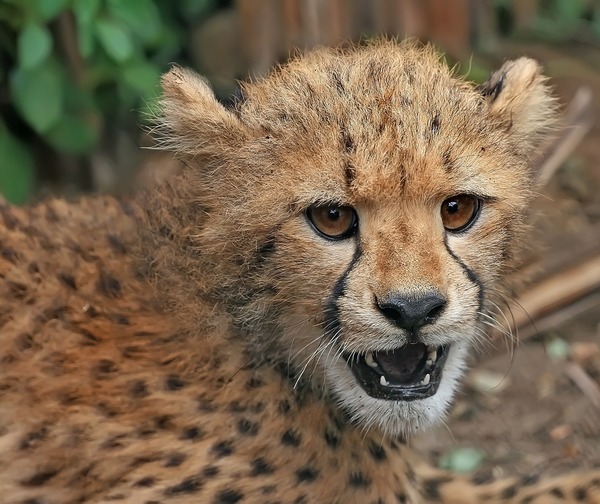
(452, 207)
(333, 214)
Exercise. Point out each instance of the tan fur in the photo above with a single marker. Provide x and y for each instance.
(167, 349)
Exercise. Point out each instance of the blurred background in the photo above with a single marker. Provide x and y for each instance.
(78, 79)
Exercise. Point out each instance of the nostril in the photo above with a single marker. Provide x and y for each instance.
(435, 312)
(411, 312)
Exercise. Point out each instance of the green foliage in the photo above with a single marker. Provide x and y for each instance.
(78, 68)
(561, 20)
(16, 169)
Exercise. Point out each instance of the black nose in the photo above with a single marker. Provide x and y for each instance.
(410, 311)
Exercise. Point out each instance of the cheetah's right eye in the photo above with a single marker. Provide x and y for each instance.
(333, 221)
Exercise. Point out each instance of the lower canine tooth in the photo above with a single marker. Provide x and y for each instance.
(426, 380)
(369, 359)
(384, 382)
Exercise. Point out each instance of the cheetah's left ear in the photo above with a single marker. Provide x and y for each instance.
(191, 121)
(520, 98)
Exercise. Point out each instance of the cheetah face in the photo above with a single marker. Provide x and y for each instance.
(400, 316)
(356, 214)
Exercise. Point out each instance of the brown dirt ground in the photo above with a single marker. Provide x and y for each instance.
(538, 420)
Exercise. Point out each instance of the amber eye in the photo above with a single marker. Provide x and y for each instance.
(459, 212)
(333, 221)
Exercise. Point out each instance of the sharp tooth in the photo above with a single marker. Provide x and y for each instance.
(432, 355)
(369, 359)
(426, 380)
(384, 382)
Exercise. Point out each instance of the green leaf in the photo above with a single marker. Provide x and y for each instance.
(141, 16)
(17, 172)
(38, 94)
(569, 11)
(48, 9)
(462, 460)
(85, 10)
(115, 39)
(195, 8)
(143, 78)
(72, 135)
(34, 45)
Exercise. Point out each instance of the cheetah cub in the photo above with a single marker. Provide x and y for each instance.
(271, 323)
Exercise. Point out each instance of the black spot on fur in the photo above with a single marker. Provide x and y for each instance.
(105, 366)
(301, 499)
(9, 254)
(331, 438)
(291, 438)
(175, 460)
(138, 389)
(223, 448)
(40, 478)
(108, 285)
(284, 406)
(210, 471)
(260, 467)
(482, 478)
(147, 482)
(347, 142)
(431, 487)
(68, 280)
(377, 452)
(557, 492)
(268, 489)
(24, 341)
(192, 433)
(205, 405)
(349, 173)
(187, 486)
(307, 474)
(229, 496)
(89, 338)
(174, 382)
(509, 492)
(580, 494)
(33, 268)
(163, 422)
(435, 124)
(529, 479)
(267, 249)
(401, 498)
(254, 383)
(447, 161)
(359, 480)
(236, 407)
(33, 438)
(247, 427)
(116, 244)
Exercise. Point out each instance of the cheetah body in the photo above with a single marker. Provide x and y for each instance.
(161, 349)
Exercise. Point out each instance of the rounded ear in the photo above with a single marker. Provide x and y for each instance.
(191, 121)
(519, 97)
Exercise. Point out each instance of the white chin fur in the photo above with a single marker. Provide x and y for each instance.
(396, 418)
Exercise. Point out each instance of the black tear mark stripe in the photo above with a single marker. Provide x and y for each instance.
(470, 275)
(332, 319)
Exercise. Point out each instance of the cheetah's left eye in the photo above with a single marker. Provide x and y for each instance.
(459, 212)
(332, 221)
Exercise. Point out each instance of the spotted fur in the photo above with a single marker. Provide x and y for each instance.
(185, 345)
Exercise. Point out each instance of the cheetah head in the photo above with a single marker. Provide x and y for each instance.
(354, 214)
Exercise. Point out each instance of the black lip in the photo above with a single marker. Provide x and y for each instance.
(369, 380)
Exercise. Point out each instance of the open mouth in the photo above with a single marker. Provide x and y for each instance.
(408, 373)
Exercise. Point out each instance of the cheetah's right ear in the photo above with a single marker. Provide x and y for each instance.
(191, 121)
(519, 97)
